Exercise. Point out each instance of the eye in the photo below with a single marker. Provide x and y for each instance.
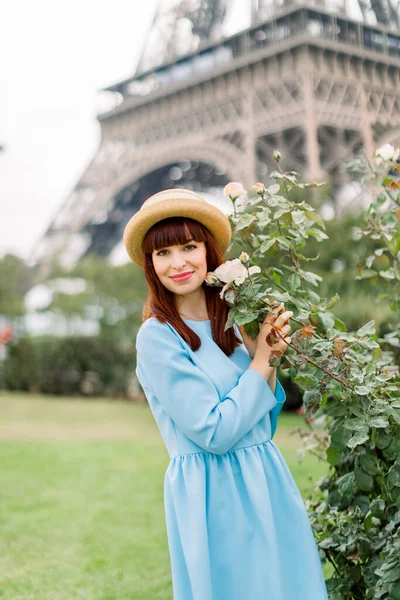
(162, 252)
(190, 246)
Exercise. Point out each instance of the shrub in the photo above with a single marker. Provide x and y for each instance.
(89, 366)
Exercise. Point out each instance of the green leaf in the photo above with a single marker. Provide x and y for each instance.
(378, 508)
(356, 425)
(387, 274)
(368, 523)
(281, 296)
(337, 410)
(396, 415)
(368, 343)
(334, 300)
(362, 390)
(298, 216)
(367, 329)
(267, 245)
(363, 504)
(332, 456)
(273, 189)
(317, 234)
(356, 440)
(393, 575)
(346, 485)
(369, 260)
(394, 478)
(382, 440)
(339, 438)
(340, 325)
(364, 480)
(395, 592)
(306, 381)
(252, 329)
(294, 282)
(283, 243)
(242, 319)
(231, 319)
(313, 216)
(312, 278)
(370, 463)
(366, 274)
(244, 221)
(377, 354)
(327, 320)
(378, 422)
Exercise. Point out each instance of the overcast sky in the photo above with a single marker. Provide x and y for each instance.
(55, 57)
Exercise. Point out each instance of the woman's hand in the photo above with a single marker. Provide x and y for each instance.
(251, 343)
(267, 343)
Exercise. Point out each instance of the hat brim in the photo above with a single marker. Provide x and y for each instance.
(210, 216)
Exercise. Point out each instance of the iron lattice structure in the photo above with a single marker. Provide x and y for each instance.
(316, 80)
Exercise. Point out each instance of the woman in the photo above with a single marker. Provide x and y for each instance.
(237, 526)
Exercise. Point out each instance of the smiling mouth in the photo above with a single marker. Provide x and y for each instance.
(182, 277)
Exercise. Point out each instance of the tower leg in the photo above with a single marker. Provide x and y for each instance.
(367, 132)
(250, 139)
(314, 171)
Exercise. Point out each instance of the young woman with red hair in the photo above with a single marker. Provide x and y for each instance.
(237, 526)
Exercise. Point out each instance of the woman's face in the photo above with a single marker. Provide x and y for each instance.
(181, 269)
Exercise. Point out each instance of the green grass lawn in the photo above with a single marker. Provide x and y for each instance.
(81, 499)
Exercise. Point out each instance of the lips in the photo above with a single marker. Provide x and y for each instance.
(182, 277)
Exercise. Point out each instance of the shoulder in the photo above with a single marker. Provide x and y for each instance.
(153, 332)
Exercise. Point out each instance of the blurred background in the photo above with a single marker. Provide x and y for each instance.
(101, 105)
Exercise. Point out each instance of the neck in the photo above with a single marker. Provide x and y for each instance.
(192, 306)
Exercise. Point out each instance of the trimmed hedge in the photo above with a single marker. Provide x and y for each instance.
(84, 366)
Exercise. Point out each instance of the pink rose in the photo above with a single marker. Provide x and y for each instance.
(233, 190)
(211, 279)
(258, 188)
(231, 270)
(386, 152)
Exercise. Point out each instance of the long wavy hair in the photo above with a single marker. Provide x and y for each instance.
(161, 302)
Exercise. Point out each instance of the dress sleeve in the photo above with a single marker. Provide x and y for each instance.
(190, 398)
(274, 414)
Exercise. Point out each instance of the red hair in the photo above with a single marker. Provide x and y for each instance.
(161, 302)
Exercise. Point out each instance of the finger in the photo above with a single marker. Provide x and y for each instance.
(273, 305)
(268, 302)
(270, 319)
(285, 316)
(283, 344)
(279, 308)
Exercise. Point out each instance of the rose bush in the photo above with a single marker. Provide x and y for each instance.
(350, 380)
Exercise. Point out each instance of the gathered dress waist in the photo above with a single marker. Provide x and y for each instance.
(233, 450)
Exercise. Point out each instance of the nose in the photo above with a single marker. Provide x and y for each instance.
(178, 260)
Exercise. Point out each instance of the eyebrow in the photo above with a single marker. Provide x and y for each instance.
(165, 247)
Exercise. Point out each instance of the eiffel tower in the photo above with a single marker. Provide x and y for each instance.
(210, 101)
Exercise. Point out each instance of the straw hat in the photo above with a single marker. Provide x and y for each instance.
(174, 203)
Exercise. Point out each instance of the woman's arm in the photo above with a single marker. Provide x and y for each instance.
(189, 397)
(272, 381)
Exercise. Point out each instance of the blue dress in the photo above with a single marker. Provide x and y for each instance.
(237, 525)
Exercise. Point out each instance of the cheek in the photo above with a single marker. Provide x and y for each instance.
(204, 263)
(201, 260)
(158, 266)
